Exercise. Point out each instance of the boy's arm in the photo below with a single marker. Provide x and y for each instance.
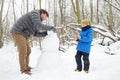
(88, 38)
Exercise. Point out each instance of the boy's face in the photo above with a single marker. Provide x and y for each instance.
(43, 16)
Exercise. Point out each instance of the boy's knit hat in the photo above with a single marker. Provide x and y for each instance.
(85, 22)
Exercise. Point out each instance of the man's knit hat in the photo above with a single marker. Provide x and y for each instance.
(85, 22)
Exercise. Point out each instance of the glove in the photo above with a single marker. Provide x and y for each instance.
(53, 29)
(40, 34)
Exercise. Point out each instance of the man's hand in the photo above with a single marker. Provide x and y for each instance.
(53, 29)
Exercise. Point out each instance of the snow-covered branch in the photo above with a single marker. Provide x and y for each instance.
(113, 6)
(106, 34)
(99, 29)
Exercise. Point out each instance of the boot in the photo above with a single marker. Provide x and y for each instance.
(86, 71)
(26, 72)
(76, 70)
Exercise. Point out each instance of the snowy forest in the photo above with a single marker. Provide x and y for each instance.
(66, 16)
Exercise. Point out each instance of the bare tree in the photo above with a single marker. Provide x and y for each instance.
(110, 16)
(62, 19)
(83, 14)
(40, 4)
(76, 8)
(1, 25)
(91, 11)
(55, 12)
(97, 11)
(27, 5)
(13, 4)
(113, 5)
(62, 10)
(23, 11)
(40, 38)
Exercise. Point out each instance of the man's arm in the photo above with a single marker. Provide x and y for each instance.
(40, 34)
(35, 16)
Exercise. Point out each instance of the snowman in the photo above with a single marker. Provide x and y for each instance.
(50, 58)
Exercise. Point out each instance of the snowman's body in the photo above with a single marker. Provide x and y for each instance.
(50, 43)
(50, 57)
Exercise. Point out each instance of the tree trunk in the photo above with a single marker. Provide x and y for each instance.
(27, 5)
(76, 10)
(62, 10)
(62, 21)
(83, 14)
(97, 11)
(55, 13)
(39, 40)
(40, 4)
(91, 11)
(1, 25)
(14, 11)
(110, 16)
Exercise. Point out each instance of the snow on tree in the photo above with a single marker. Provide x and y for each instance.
(113, 48)
(105, 32)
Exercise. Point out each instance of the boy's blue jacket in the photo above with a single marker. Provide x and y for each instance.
(84, 44)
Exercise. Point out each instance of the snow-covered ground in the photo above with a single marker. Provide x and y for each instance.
(103, 66)
(51, 64)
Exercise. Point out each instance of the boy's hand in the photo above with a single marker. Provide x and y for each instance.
(76, 38)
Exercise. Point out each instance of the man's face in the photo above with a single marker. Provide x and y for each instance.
(43, 16)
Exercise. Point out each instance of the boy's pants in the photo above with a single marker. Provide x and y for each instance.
(23, 49)
(85, 60)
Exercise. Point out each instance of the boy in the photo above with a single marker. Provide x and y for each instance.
(84, 45)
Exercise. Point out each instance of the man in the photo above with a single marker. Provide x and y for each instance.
(27, 25)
